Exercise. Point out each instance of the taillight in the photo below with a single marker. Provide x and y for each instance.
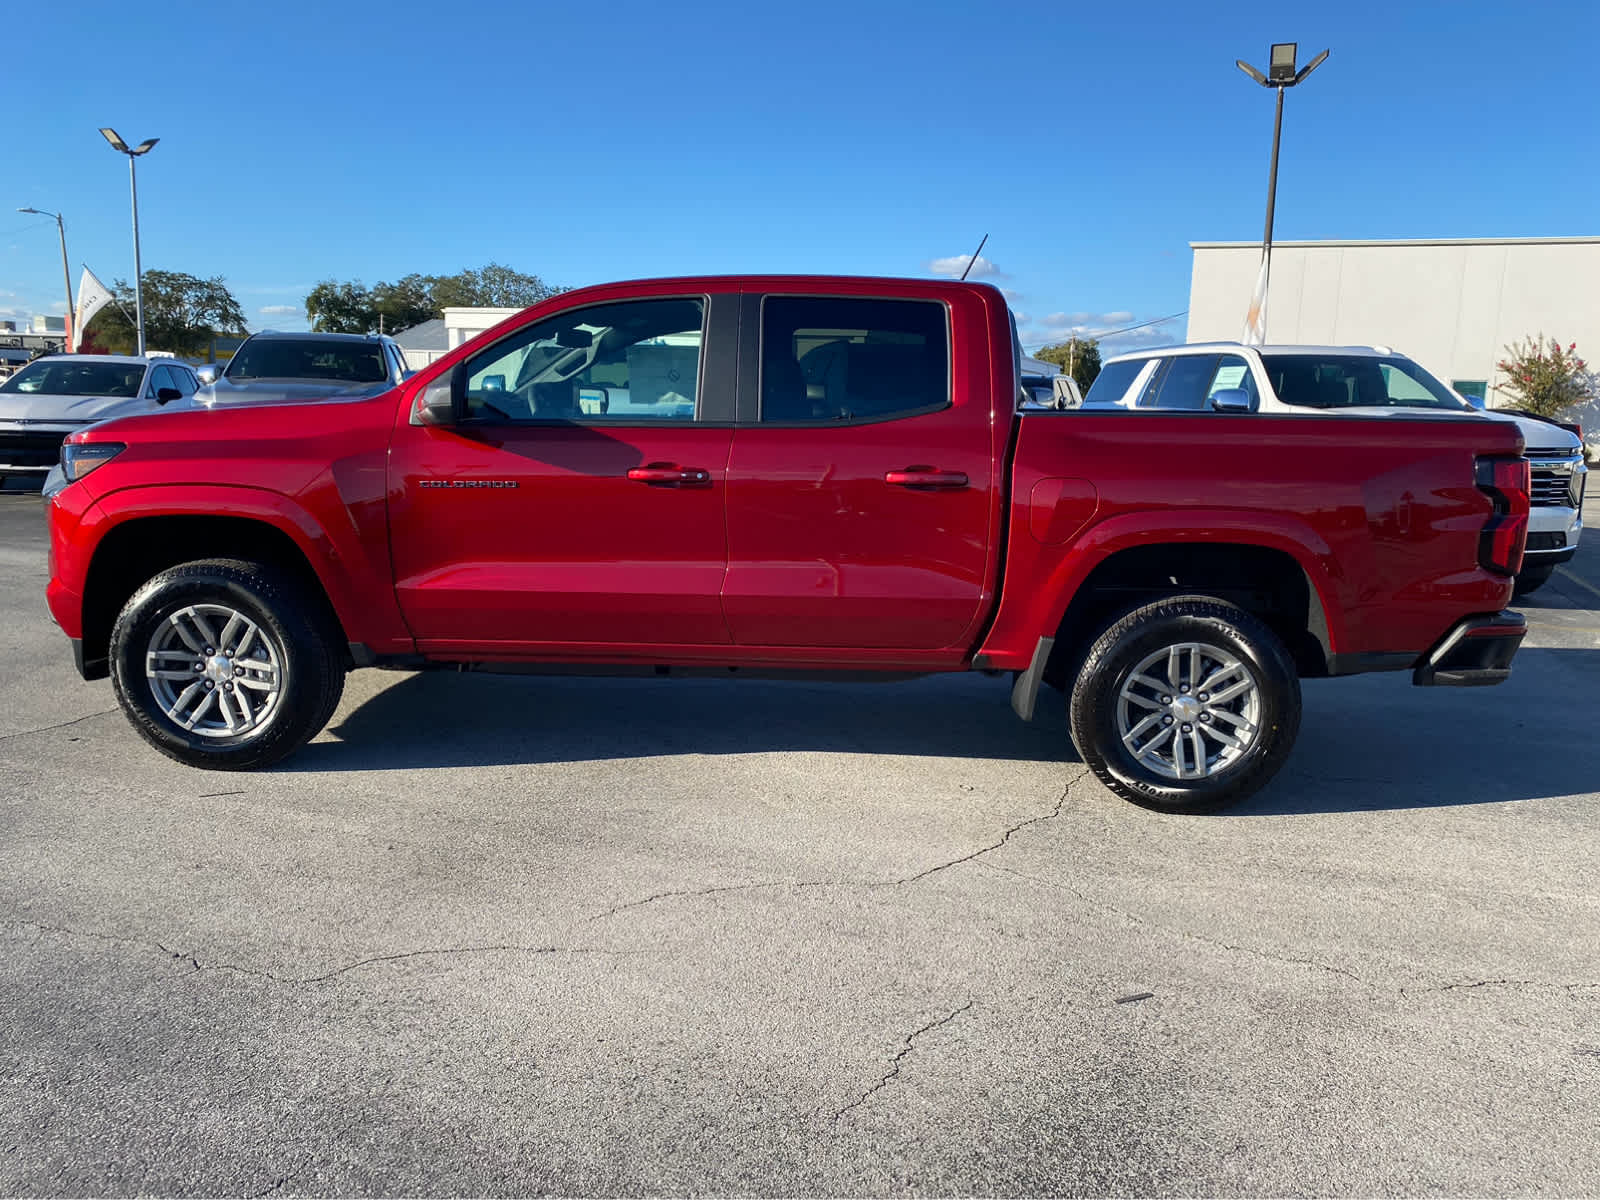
(1507, 481)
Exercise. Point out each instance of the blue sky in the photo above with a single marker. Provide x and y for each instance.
(584, 143)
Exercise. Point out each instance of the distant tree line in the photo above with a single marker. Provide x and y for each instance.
(350, 306)
(182, 313)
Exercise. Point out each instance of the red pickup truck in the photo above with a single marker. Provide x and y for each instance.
(762, 475)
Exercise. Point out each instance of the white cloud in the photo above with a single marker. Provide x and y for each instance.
(278, 310)
(951, 268)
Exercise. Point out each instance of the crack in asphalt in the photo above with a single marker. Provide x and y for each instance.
(1005, 837)
(847, 883)
(1538, 983)
(274, 1188)
(196, 965)
(1186, 934)
(6, 737)
(909, 1044)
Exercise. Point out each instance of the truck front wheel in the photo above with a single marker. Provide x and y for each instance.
(1188, 704)
(225, 664)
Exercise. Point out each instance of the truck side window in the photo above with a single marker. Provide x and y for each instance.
(634, 361)
(1185, 386)
(1233, 372)
(845, 359)
(1111, 387)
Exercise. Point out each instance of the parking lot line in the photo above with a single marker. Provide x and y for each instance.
(1571, 578)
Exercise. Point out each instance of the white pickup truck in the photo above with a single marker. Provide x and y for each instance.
(1232, 377)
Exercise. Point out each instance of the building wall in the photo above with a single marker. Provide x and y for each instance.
(1453, 305)
(462, 324)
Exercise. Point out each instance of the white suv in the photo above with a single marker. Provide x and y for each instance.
(1369, 380)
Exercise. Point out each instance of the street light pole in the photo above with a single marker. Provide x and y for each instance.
(1281, 76)
(66, 272)
(143, 147)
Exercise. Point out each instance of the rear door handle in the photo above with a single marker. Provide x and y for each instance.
(926, 477)
(670, 475)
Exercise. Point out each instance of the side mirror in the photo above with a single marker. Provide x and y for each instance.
(442, 401)
(208, 374)
(164, 395)
(1064, 391)
(1232, 400)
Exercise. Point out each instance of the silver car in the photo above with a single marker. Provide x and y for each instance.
(61, 393)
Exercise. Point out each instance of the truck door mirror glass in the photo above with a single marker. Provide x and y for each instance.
(493, 383)
(575, 339)
(1234, 400)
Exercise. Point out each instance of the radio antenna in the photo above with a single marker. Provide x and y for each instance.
(974, 257)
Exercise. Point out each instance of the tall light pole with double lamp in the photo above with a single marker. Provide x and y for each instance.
(1282, 76)
(143, 147)
(66, 272)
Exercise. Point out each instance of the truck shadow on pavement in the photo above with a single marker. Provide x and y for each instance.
(1375, 742)
(1366, 743)
(446, 719)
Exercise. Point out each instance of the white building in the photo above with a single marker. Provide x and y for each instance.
(1453, 304)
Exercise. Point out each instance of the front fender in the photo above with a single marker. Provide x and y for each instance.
(362, 596)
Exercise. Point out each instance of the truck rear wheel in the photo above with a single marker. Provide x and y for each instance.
(1188, 704)
(225, 664)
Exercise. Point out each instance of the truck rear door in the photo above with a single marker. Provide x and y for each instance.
(862, 475)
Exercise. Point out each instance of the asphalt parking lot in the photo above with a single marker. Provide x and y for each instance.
(496, 935)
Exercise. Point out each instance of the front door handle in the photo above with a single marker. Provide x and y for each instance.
(670, 475)
(926, 477)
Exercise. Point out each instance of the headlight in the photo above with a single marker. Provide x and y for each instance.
(79, 458)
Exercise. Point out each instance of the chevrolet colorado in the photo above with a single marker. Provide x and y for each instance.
(758, 475)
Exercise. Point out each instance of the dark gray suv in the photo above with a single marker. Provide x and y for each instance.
(305, 366)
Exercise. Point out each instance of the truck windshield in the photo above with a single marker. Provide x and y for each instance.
(1355, 381)
(63, 377)
(288, 358)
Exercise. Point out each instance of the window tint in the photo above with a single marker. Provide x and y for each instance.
(160, 377)
(288, 358)
(634, 361)
(1234, 372)
(836, 359)
(1185, 385)
(64, 377)
(1345, 381)
(187, 383)
(1111, 386)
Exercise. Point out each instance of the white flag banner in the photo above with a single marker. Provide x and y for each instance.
(92, 297)
(1255, 320)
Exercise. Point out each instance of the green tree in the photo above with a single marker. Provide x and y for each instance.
(492, 286)
(1078, 357)
(349, 306)
(402, 304)
(1544, 378)
(182, 313)
(340, 307)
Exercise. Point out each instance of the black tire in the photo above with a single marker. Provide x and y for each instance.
(1269, 707)
(294, 646)
(1531, 579)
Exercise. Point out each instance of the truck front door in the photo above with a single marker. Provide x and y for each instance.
(578, 502)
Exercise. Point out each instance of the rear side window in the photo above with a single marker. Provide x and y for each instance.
(845, 359)
(1347, 381)
(1111, 386)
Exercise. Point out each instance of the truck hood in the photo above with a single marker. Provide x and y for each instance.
(43, 408)
(1541, 437)
(278, 391)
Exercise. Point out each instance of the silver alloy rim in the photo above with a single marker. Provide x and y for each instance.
(214, 672)
(1189, 711)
